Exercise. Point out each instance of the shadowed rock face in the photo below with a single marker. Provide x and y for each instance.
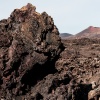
(29, 41)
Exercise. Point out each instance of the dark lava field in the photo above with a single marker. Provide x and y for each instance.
(36, 64)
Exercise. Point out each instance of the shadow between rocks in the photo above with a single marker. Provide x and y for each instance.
(37, 73)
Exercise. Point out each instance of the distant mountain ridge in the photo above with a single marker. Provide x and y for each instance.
(65, 35)
(90, 32)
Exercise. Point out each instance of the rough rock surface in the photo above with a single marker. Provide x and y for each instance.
(32, 66)
(81, 59)
(29, 41)
(77, 76)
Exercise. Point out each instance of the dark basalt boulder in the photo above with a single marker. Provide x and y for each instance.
(29, 46)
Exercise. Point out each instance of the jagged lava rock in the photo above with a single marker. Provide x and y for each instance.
(28, 41)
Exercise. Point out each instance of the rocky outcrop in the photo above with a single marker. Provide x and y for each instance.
(34, 67)
(29, 43)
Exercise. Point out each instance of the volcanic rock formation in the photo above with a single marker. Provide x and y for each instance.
(35, 66)
(29, 43)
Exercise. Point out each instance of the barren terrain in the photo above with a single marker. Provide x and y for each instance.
(35, 64)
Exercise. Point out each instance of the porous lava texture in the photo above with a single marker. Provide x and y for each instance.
(77, 76)
(34, 64)
(29, 47)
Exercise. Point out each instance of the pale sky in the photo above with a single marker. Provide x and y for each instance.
(70, 16)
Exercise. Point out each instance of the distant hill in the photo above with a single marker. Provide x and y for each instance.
(90, 32)
(65, 35)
